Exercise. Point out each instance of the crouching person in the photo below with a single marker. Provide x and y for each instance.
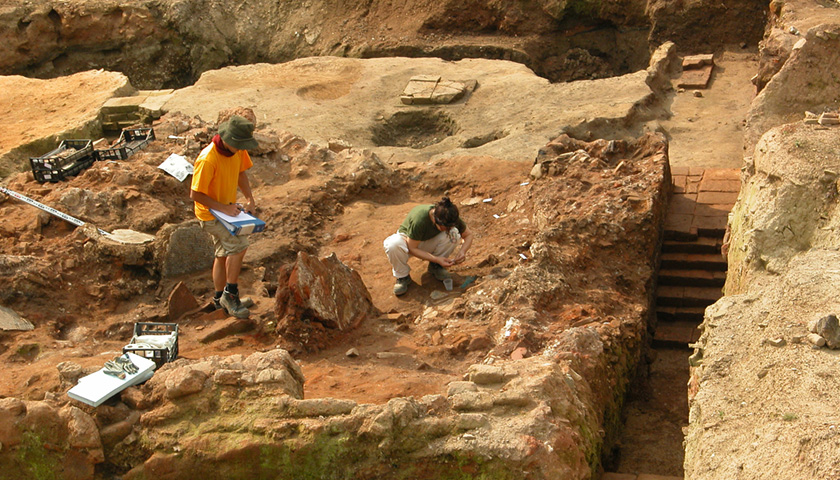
(430, 233)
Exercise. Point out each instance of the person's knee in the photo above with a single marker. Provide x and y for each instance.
(394, 243)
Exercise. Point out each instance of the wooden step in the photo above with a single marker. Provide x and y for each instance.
(679, 296)
(698, 245)
(692, 261)
(670, 314)
(692, 278)
(675, 334)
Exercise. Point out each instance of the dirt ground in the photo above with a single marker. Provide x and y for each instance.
(88, 329)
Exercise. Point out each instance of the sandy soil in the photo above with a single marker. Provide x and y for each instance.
(72, 327)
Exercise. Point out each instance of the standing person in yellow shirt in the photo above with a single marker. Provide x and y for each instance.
(218, 172)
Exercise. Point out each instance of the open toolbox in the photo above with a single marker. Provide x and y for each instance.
(68, 160)
(130, 142)
(156, 341)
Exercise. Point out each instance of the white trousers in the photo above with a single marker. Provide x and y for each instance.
(396, 248)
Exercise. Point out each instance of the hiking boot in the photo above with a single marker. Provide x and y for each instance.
(402, 285)
(246, 302)
(233, 306)
(439, 272)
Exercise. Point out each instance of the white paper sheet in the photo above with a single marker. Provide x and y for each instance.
(177, 166)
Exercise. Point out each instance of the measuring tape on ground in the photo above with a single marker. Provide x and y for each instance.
(61, 215)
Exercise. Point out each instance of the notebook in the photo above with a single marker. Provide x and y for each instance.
(242, 224)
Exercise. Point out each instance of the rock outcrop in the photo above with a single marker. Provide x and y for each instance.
(19, 141)
(806, 80)
(762, 380)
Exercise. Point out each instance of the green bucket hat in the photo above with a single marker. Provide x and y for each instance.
(238, 132)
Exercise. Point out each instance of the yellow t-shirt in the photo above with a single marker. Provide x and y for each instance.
(217, 176)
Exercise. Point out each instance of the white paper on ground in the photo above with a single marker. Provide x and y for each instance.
(177, 166)
(96, 388)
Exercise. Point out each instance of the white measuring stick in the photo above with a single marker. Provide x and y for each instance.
(63, 216)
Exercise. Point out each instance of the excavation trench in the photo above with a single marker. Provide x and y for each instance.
(444, 350)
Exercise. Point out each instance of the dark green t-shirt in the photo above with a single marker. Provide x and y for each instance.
(418, 226)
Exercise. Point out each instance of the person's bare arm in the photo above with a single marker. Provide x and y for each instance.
(423, 255)
(204, 199)
(467, 237)
(245, 187)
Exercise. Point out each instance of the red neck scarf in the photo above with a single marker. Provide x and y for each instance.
(217, 141)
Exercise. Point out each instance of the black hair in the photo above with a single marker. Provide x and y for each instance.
(446, 213)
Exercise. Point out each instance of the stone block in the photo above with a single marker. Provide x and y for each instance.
(679, 222)
(720, 185)
(419, 91)
(717, 198)
(231, 326)
(10, 320)
(447, 92)
(430, 89)
(677, 332)
(696, 78)
(123, 104)
(678, 183)
(121, 117)
(153, 106)
(692, 185)
(697, 61)
(682, 203)
(181, 301)
(722, 174)
(704, 210)
(184, 248)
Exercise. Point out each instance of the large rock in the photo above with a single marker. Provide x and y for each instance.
(807, 81)
(41, 440)
(790, 186)
(10, 320)
(322, 291)
(759, 390)
(183, 248)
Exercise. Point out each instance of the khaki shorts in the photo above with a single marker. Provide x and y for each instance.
(224, 243)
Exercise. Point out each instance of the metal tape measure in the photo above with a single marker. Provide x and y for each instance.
(61, 215)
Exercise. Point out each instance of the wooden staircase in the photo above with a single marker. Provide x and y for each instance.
(692, 270)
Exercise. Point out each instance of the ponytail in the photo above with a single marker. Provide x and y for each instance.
(446, 213)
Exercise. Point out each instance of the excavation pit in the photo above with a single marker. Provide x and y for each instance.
(415, 129)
